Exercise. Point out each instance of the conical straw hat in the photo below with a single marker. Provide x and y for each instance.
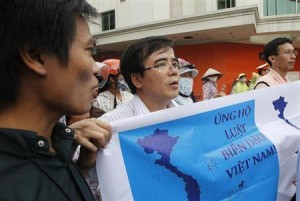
(211, 72)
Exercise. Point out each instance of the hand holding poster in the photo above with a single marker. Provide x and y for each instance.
(239, 147)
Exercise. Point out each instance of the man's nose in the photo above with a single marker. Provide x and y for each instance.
(96, 69)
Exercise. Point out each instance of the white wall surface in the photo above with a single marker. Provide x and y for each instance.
(188, 7)
(247, 2)
(131, 13)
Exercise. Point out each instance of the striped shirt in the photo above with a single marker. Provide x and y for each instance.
(132, 108)
(105, 100)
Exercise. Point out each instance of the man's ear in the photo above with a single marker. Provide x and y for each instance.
(33, 60)
(272, 58)
(136, 80)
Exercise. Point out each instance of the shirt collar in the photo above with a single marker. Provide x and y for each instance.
(278, 77)
(32, 143)
(143, 108)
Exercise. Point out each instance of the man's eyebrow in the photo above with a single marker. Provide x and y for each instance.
(161, 59)
(91, 41)
(175, 59)
(165, 59)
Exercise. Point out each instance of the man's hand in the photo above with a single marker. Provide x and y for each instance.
(91, 134)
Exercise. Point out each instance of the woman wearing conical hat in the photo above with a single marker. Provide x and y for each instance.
(209, 88)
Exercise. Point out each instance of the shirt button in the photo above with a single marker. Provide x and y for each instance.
(68, 130)
(41, 143)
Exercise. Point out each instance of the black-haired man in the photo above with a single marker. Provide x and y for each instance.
(46, 70)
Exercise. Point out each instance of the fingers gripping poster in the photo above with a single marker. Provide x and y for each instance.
(240, 147)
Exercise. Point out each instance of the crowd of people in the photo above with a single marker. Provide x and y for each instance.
(47, 71)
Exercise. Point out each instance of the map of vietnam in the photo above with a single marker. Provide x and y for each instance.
(280, 105)
(151, 144)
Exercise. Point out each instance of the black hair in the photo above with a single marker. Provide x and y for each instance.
(133, 57)
(108, 83)
(43, 25)
(272, 48)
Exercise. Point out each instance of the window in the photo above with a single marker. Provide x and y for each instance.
(226, 4)
(108, 20)
(281, 7)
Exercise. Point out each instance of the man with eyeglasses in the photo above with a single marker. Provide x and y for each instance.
(151, 70)
(281, 56)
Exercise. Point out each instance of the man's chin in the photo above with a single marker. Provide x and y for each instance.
(174, 95)
(95, 95)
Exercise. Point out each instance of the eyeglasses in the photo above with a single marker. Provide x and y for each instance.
(290, 52)
(163, 65)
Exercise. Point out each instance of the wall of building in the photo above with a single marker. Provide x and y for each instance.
(136, 12)
(102, 6)
(247, 2)
(230, 59)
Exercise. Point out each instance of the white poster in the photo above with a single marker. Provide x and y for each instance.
(238, 147)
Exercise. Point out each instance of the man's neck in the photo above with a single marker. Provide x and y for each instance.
(24, 118)
(280, 72)
(154, 104)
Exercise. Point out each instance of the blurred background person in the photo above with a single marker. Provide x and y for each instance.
(209, 88)
(263, 69)
(235, 81)
(281, 56)
(248, 82)
(187, 74)
(241, 85)
(114, 92)
(255, 76)
(102, 75)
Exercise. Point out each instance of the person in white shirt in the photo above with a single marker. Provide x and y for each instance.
(281, 56)
(113, 93)
(151, 70)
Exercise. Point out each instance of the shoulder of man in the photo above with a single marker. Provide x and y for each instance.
(261, 82)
